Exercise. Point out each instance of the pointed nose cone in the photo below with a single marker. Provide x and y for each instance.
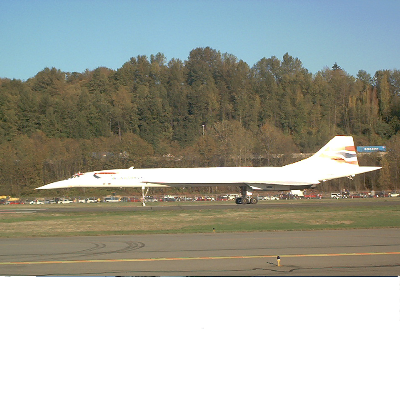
(56, 185)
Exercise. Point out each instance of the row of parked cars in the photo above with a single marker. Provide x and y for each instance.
(64, 201)
(168, 198)
(348, 195)
(48, 201)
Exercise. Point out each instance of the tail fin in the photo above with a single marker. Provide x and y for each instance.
(340, 149)
(338, 158)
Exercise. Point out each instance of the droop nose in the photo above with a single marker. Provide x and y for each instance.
(56, 185)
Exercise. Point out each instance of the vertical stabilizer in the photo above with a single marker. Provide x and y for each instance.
(338, 158)
(340, 150)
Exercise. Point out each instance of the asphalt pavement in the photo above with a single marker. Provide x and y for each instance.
(358, 252)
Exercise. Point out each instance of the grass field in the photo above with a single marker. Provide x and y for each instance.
(119, 219)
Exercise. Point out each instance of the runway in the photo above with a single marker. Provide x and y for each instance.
(362, 252)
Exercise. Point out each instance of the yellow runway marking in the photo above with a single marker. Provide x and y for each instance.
(198, 258)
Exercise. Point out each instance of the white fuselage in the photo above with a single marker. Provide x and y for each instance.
(264, 178)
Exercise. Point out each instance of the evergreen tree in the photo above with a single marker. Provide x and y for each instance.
(154, 107)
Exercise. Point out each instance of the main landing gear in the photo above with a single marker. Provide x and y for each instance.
(246, 197)
(246, 200)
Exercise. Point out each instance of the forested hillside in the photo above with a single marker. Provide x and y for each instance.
(210, 110)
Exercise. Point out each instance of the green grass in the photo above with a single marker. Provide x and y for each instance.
(163, 219)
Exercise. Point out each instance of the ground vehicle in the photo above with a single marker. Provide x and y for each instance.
(37, 201)
(112, 199)
(65, 201)
(336, 196)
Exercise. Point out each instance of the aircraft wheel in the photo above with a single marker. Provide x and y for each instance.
(238, 200)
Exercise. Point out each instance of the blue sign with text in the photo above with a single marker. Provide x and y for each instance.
(370, 149)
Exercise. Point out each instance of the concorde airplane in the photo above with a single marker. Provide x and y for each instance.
(336, 159)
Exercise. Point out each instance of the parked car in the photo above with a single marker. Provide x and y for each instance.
(65, 201)
(112, 199)
(37, 201)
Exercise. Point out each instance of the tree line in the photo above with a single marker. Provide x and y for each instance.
(209, 110)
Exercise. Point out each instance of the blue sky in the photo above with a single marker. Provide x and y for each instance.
(75, 35)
